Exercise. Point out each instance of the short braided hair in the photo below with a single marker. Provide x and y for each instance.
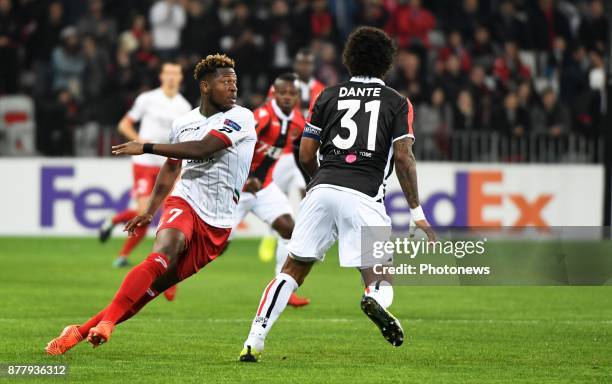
(210, 64)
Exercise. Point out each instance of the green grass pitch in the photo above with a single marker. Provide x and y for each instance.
(454, 334)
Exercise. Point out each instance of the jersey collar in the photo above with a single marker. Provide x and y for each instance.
(365, 79)
(279, 112)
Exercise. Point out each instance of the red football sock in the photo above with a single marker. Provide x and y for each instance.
(146, 298)
(135, 285)
(133, 241)
(124, 216)
(85, 327)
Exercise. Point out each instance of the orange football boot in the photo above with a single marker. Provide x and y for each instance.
(100, 334)
(296, 301)
(69, 337)
(170, 293)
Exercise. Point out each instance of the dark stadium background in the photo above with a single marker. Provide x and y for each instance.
(498, 80)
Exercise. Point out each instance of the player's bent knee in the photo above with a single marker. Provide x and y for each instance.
(284, 226)
(297, 269)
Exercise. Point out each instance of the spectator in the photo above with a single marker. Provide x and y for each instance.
(455, 47)
(371, 13)
(146, 62)
(94, 24)
(123, 85)
(597, 94)
(467, 19)
(245, 45)
(511, 120)
(594, 32)
(434, 120)
(55, 120)
(96, 65)
(410, 23)
(9, 35)
(466, 119)
(557, 58)
(68, 63)
(408, 77)
(322, 22)
(547, 23)
(482, 50)
(202, 31)
(129, 40)
(47, 33)
(574, 76)
(452, 80)
(279, 42)
(553, 118)
(167, 18)
(481, 94)
(506, 25)
(526, 94)
(508, 68)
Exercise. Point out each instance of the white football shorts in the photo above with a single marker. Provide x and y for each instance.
(329, 213)
(268, 204)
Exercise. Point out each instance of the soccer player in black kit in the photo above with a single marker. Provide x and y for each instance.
(361, 129)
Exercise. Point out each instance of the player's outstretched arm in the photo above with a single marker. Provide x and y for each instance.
(308, 155)
(164, 183)
(196, 150)
(405, 169)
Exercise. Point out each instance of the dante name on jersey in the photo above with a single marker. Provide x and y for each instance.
(357, 123)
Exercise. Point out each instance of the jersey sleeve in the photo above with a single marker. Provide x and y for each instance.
(138, 109)
(402, 123)
(313, 126)
(237, 124)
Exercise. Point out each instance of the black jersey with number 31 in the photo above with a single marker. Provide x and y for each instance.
(357, 122)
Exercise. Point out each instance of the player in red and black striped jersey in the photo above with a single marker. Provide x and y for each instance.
(279, 123)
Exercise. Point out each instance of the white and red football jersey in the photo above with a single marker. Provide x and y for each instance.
(155, 111)
(212, 186)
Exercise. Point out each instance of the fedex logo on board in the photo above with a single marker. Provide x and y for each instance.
(89, 205)
(469, 202)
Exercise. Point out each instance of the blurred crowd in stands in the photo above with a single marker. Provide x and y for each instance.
(514, 67)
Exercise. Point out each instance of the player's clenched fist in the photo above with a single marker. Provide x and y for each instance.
(136, 222)
(129, 148)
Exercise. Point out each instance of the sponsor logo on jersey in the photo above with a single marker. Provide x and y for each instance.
(201, 161)
(189, 129)
(232, 125)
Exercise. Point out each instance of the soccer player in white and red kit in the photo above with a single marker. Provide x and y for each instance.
(154, 110)
(199, 213)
